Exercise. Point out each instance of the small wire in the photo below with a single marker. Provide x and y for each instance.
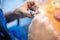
(32, 13)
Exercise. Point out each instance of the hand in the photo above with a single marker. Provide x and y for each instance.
(22, 10)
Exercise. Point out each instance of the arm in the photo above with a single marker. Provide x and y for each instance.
(20, 12)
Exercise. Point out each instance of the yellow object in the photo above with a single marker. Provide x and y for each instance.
(50, 13)
(51, 9)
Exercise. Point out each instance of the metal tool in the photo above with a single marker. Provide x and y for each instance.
(32, 13)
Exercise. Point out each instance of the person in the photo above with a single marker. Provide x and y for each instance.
(10, 34)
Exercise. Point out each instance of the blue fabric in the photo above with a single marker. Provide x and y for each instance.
(14, 32)
(12, 36)
(3, 24)
(2, 20)
(18, 32)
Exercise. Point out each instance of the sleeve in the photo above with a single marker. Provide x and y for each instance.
(3, 30)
